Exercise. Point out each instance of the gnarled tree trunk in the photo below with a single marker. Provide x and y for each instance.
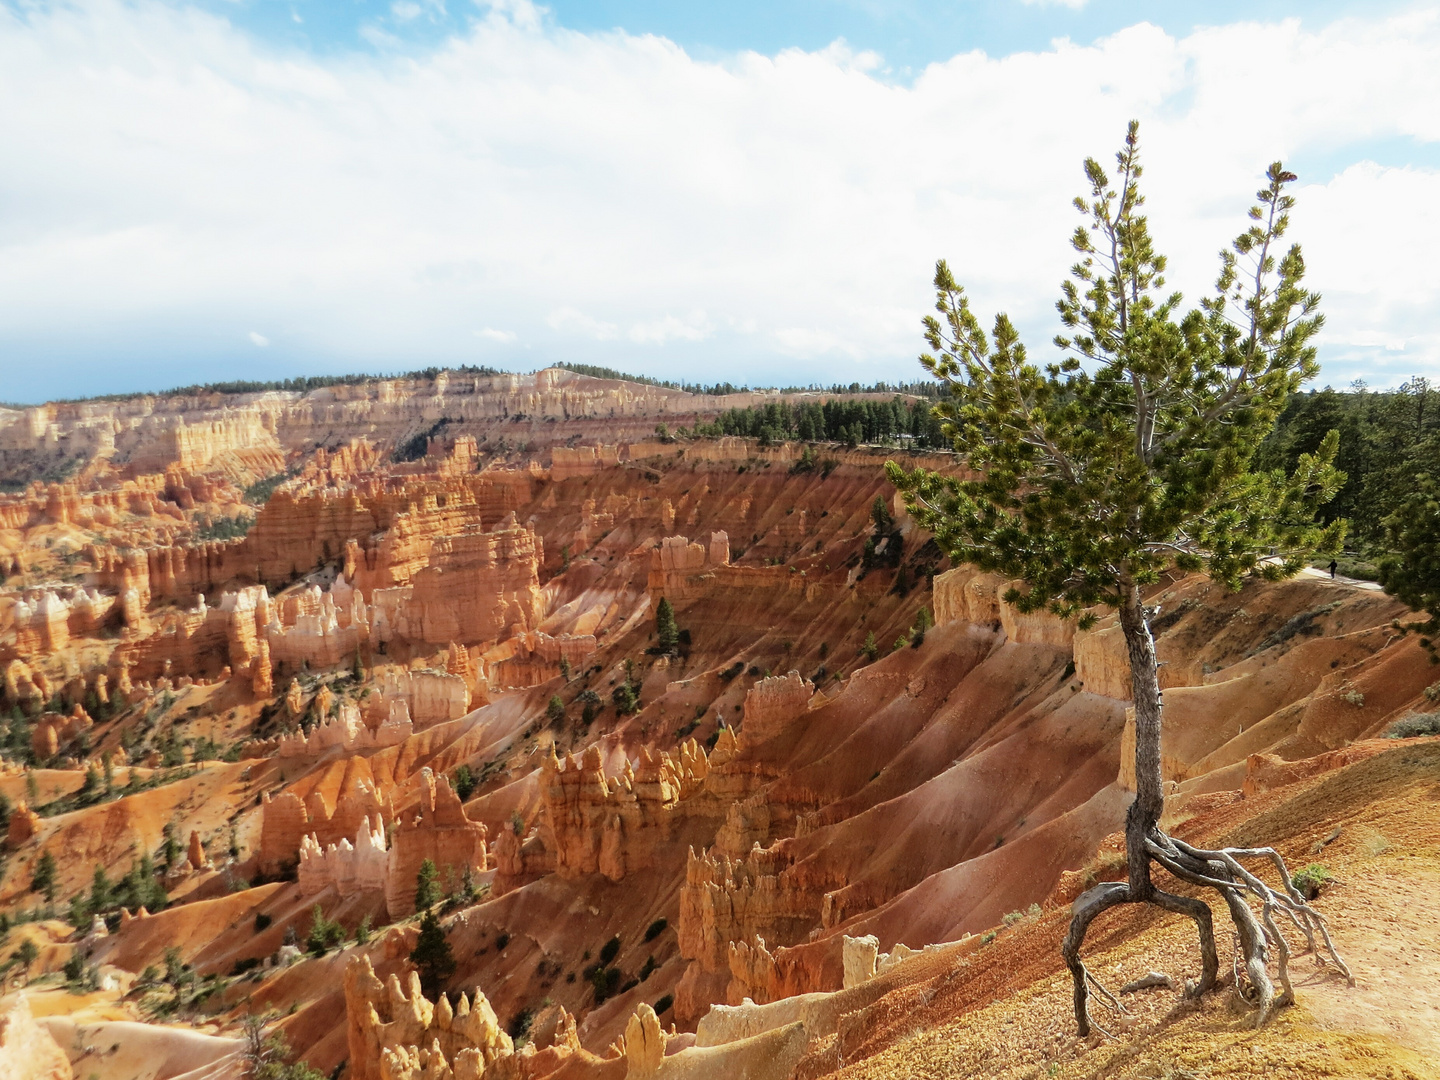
(1147, 844)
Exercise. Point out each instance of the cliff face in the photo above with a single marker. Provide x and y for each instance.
(437, 830)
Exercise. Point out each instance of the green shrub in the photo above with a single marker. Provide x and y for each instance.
(664, 1004)
(655, 929)
(1309, 881)
(462, 780)
(1414, 725)
(609, 951)
(324, 933)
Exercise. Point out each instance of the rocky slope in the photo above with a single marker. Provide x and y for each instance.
(779, 848)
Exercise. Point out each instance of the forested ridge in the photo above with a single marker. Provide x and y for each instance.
(1387, 439)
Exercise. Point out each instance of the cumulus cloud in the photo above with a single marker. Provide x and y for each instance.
(259, 340)
(569, 321)
(692, 327)
(504, 337)
(771, 218)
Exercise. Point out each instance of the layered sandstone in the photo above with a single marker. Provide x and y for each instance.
(287, 820)
(774, 703)
(437, 830)
(1041, 627)
(726, 907)
(347, 868)
(966, 594)
(383, 1019)
(349, 733)
(676, 564)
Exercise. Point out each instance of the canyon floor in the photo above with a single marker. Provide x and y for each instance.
(267, 656)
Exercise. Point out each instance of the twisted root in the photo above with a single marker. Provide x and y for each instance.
(1255, 936)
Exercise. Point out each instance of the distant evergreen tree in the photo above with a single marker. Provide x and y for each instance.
(427, 887)
(463, 781)
(666, 631)
(43, 879)
(432, 955)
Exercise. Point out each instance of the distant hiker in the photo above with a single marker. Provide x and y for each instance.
(1333, 564)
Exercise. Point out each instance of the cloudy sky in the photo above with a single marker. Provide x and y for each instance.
(753, 191)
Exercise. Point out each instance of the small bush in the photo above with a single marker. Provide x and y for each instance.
(1414, 725)
(502, 941)
(262, 922)
(519, 1026)
(655, 929)
(462, 780)
(324, 933)
(1309, 881)
(663, 1005)
(1354, 697)
(609, 951)
(606, 982)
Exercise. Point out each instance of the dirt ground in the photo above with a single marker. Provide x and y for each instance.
(1383, 906)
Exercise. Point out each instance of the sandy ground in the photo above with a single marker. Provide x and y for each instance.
(1383, 907)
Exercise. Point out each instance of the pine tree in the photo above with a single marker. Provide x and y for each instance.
(101, 893)
(555, 711)
(1413, 573)
(432, 956)
(171, 846)
(27, 954)
(870, 650)
(43, 880)
(1129, 457)
(427, 888)
(665, 629)
(463, 781)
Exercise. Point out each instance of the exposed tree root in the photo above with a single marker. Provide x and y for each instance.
(1148, 981)
(1255, 934)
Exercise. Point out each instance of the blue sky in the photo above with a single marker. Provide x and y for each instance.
(908, 34)
(748, 191)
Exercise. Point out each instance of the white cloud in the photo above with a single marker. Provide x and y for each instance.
(693, 327)
(259, 340)
(569, 321)
(1073, 5)
(170, 173)
(504, 337)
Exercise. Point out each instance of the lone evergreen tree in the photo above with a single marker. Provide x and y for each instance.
(43, 880)
(463, 781)
(432, 956)
(27, 954)
(665, 629)
(1128, 457)
(427, 888)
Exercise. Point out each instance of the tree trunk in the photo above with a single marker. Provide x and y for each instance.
(1144, 816)
(1146, 843)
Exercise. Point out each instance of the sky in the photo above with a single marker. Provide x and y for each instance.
(750, 191)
